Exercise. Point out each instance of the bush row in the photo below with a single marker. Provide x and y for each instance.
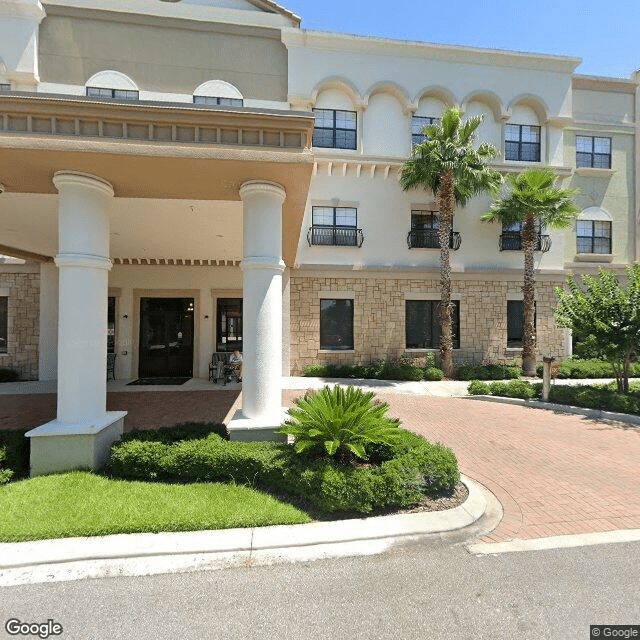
(412, 469)
(598, 396)
(511, 389)
(376, 371)
(577, 368)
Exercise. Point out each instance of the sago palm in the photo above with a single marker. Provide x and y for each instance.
(532, 199)
(448, 164)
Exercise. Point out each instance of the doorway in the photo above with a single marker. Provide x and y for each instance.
(166, 337)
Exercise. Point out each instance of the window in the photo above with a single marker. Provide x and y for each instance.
(511, 238)
(4, 323)
(424, 230)
(224, 102)
(229, 324)
(118, 94)
(593, 236)
(515, 323)
(417, 123)
(592, 151)
(335, 226)
(336, 324)
(422, 324)
(5, 87)
(335, 129)
(522, 142)
(111, 324)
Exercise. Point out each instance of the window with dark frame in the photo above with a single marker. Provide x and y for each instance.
(512, 236)
(111, 324)
(335, 129)
(515, 323)
(417, 124)
(335, 226)
(422, 324)
(593, 151)
(593, 236)
(336, 324)
(223, 102)
(229, 324)
(119, 94)
(4, 324)
(522, 142)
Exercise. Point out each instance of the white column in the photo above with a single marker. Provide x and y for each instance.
(262, 267)
(84, 430)
(84, 264)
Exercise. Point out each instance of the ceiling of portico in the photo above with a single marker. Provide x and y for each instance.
(141, 229)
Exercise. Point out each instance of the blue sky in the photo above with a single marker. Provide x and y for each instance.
(605, 34)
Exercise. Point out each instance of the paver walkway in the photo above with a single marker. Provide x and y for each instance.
(553, 473)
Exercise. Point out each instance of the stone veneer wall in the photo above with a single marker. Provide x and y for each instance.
(379, 317)
(23, 322)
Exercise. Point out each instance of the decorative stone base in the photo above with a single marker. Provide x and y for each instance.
(57, 447)
(250, 430)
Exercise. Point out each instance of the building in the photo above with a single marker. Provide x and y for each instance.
(194, 176)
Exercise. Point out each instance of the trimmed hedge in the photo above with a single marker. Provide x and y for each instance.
(407, 472)
(492, 371)
(182, 431)
(577, 368)
(511, 389)
(598, 396)
(14, 454)
(8, 375)
(375, 371)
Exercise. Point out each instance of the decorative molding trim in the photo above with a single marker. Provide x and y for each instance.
(176, 262)
(80, 179)
(83, 260)
(593, 172)
(262, 186)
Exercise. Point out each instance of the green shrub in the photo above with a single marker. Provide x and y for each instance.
(598, 396)
(14, 452)
(433, 373)
(402, 369)
(340, 422)
(578, 368)
(8, 375)
(182, 431)
(493, 371)
(316, 371)
(478, 388)
(409, 468)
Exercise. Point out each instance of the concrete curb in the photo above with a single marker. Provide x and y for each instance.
(154, 553)
(596, 414)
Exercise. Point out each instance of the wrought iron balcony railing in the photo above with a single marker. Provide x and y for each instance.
(335, 236)
(429, 239)
(512, 241)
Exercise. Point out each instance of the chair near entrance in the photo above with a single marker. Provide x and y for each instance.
(225, 367)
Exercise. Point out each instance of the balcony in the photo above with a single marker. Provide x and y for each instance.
(335, 236)
(512, 241)
(429, 239)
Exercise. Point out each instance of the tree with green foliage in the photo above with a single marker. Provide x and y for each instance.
(448, 164)
(532, 199)
(605, 312)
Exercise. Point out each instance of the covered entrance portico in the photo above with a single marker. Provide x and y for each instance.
(248, 170)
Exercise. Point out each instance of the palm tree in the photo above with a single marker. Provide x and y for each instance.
(533, 200)
(448, 164)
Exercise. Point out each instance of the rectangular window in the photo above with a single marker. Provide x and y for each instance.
(224, 102)
(417, 123)
(335, 226)
(111, 324)
(4, 323)
(336, 324)
(118, 94)
(593, 236)
(511, 239)
(5, 87)
(335, 129)
(592, 151)
(522, 142)
(515, 323)
(422, 324)
(229, 324)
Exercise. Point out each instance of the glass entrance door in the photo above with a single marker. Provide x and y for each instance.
(166, 337)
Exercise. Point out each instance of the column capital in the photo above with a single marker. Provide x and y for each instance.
(265, 264)
(80, 179)
(82, 260)
(262, 186)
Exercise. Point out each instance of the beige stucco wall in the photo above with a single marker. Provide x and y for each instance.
(22, 285)
(379, 316)
(163, 59)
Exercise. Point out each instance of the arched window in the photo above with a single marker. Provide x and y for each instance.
(112, 84)
(218, 92)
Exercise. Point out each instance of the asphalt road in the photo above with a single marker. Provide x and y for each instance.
(422, 591)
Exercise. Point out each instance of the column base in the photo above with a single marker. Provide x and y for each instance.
(245, 429)
(57, 447)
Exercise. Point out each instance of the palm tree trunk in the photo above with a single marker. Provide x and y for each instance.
(529, 338)
(446, 205)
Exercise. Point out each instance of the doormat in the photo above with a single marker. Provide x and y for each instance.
(150, 381)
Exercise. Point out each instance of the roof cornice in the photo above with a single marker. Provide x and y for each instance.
(384, 46)
(603, 83)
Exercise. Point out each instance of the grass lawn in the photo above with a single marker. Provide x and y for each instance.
(83, 504)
